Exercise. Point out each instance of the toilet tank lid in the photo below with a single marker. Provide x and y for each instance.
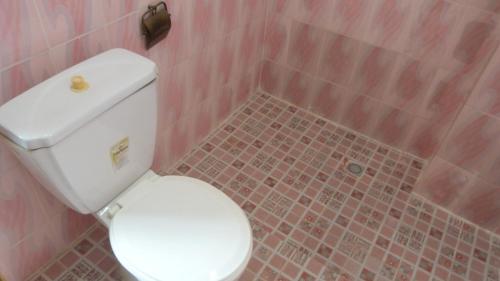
(51, 110)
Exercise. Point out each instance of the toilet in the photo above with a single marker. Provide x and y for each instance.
(88, 135)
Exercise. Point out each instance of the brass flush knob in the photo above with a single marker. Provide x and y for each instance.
(78, 84)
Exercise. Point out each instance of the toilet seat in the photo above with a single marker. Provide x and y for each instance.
(181, 228)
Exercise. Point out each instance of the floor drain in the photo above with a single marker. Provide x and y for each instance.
(355, 169)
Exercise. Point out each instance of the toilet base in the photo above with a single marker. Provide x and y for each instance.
(125, 275)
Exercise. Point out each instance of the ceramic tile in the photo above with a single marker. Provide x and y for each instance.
(472, 141)
(18, 17)
(338, 58)
(324, 203)
(350, 17)
(486, 96)
(276, 38)
(304, 47)
(407, 73)
(208, 65)
(390, 22)
(374, 71)
(68, 20)
(433, 28)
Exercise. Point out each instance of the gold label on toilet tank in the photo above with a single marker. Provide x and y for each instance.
(119, 153)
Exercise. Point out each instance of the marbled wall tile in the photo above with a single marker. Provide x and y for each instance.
(181, 137)
(64, 20)
(297, 88)
(486, 95)
(304, 47)
(373, 71)
(160, 152)
(273, 78)
(125, 34)
(316, 12)
(280, 7)
(276, 38)
(7, 158)
(49, 204)
(426, 137)
(17, 17)
(253, 10)
(225, 102)
(21, 77)
(165, 114)
(201, 16)
(33, 210)
(204, 120)
(178, 42)
(225, 59)
(490, 172)
(338, 58)
(6, 253)
(433, 29)
(116, 9)
(201, 76)
(67, 226)
(393, 126)
(350, 17)
(390, 23)
(245, 86)
(228, 16)
(329, 100)
(163, 157)
(410, 84)
(29, 255)
(472, 141)
(479, 203)
(361, 113)
(487, 5)
(446, 96)
(442, 181)
(179, 87)
(77, 50)
(250, 41)
(50, 240)
(20, 211)
(477, 37)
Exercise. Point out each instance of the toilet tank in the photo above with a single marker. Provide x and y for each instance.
(86, 146)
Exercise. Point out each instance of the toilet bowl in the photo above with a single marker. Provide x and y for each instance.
(88, 136)
(178, 228)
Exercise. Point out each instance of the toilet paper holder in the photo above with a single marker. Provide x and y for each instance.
(155, 24)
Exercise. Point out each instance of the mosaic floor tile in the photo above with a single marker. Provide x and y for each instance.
(324, 203)
(354, 247)
(292, 251)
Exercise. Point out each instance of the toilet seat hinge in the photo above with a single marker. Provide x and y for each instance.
(112, 210)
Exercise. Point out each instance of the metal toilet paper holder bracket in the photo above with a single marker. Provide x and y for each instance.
(155, 24)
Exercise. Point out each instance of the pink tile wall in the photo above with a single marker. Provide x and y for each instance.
(406, 73)
(471, 150)
(208, 66)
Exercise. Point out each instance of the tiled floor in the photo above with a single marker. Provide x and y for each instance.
(325, 203)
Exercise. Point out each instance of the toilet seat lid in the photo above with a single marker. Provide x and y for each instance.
(181, 229)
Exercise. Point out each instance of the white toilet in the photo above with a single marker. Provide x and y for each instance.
(90, 140)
